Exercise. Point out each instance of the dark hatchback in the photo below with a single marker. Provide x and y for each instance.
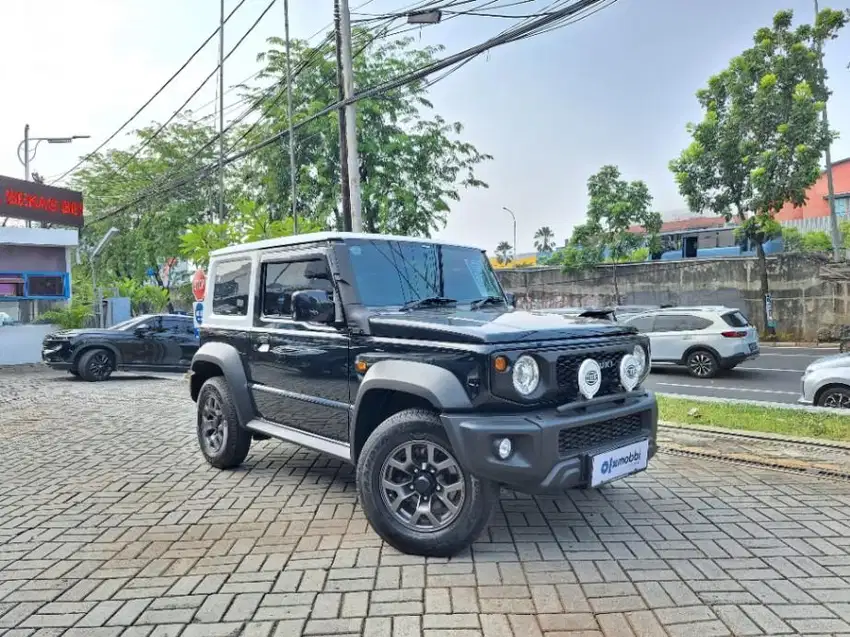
(154, 342)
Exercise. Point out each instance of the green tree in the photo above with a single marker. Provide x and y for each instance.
(544, 239)
(615, 206)
(503, 252)
(759, 144)
(413, 162)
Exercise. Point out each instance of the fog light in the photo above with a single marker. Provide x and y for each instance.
(505, 448)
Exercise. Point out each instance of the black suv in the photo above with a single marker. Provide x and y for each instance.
(405, 357)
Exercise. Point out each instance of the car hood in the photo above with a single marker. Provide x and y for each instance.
(830, 362)
(72, 334)
(488, 326)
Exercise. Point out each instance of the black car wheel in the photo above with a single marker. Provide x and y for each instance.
(223, 441)
(835, 397)
(414, 491)
(96, 365)
(702, 364)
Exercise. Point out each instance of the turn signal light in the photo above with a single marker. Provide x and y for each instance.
(734, 334)
(500, 364)
(361, 367)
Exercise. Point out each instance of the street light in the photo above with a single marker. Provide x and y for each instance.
(25, 156)
(513, 216)
(98, 306)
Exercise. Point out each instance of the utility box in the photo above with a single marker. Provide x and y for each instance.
(116, 309)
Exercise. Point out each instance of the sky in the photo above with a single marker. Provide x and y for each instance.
(615, 88)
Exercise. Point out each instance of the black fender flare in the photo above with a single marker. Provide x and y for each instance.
(437, 385)
(227, 359)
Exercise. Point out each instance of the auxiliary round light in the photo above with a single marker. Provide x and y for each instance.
(630, 372)
(505, 448)
(643, 360)
(526, 375)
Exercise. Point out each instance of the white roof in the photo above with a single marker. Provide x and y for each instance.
(53, 237)
(322, 237)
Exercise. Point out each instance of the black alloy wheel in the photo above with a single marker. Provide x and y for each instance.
(96, 365)
(223, 441)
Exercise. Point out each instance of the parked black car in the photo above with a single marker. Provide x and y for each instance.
(405, 357)
(154, 342)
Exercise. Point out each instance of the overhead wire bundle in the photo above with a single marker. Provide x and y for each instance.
(558, 14)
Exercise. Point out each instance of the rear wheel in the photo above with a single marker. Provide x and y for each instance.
(702, 364)
(223, 441)
(414, 491)
(835, 397)
(95, 365)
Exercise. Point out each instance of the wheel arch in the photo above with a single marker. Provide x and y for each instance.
(221, 359)
(391, 386)
(701, 347)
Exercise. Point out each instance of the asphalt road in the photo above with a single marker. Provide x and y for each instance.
(773, 377)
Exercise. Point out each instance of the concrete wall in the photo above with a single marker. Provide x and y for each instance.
(21, 344)
(805, 295)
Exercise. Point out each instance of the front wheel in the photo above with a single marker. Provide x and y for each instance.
(702, 364)
(414, 492)
(835, 397)
(223, 441)
(95, 365)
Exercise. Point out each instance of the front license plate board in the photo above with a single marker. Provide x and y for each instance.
(619, 462)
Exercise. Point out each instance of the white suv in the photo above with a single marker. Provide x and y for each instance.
(706, 340)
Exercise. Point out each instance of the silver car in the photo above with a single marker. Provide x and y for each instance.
(826, 382)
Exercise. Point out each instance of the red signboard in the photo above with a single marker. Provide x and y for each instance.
(32, 201)
(199, 284)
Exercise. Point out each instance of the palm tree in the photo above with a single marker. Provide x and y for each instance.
(544, 239)
(503, 251)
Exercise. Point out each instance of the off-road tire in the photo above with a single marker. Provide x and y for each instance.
(702, 364)
(480, 496)
(91, 368)
(235, 440)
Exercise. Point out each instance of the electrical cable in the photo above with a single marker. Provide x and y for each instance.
(151, 99)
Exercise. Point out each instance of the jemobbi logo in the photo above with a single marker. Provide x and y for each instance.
(612, 463)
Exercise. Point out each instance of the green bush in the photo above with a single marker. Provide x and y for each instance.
(68, 318)
(792, 239)
(817, 241)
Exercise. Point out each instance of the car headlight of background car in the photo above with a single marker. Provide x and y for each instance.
(525, 375)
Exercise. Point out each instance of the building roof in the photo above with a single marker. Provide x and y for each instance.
(321, 237)
(682, 225)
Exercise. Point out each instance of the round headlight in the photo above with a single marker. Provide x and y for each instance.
(526, 375)
(642, 359)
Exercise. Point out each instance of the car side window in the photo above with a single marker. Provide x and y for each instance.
(176, 325)
(695, 323)
(642, 323)
(282, 279)
(669, 323)
(232, 280)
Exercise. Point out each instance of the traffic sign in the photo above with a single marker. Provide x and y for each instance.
(199, 284)
(198, 317)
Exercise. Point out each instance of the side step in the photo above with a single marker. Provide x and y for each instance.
(334, 448)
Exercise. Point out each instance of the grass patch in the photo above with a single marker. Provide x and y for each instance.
(788, 422)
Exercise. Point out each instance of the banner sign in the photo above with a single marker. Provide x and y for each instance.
(32, 201)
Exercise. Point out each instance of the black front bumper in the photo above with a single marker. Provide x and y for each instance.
(543, 460)
(57, 355)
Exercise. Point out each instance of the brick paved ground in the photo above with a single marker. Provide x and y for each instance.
(112, 524)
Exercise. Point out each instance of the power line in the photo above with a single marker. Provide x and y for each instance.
(151, 99)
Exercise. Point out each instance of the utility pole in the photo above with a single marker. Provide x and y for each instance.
(830, 186)
(353, 161)
(343, 150)
(221, 116)
(292, 172)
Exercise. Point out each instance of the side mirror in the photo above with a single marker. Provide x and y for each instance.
(313, 306)
(511, 297)
(142, 330)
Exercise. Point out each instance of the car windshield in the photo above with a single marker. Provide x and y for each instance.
(395, 273)
(126, 325)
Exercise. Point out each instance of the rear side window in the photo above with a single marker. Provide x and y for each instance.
(281, 280)
(680, 323)
(231, 284)
(642, 323)
(695, 323)
(735, 319)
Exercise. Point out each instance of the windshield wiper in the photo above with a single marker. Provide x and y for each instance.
(487, 300)
(427, 301)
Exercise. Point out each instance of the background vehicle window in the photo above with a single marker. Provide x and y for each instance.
(231, 288)
(694, 323)
(281, 280)
(735, 319)
(642, 323)
(177, 325)
(672, 323)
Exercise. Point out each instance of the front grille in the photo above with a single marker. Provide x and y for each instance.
(567, 373)
(599, 433)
